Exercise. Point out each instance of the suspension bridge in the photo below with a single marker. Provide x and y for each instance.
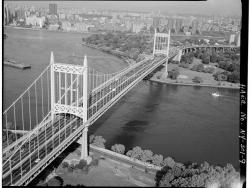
(60, 105)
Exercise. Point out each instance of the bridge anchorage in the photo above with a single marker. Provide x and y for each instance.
(60, 105)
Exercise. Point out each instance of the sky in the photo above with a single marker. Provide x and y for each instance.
(219, 7)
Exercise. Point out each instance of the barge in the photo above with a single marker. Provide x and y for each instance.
(12, 63)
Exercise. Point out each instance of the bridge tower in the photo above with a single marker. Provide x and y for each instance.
(69, 94)
(161, 46)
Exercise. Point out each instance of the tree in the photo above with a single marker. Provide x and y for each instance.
(55, 182)
(209, 70)
(184, 65)
(118, 148)
(82, 163)
(169, 162)
(157, 160)
(147, 156)
(174, 73)
(212, 42)
(198, 176)
(198, 67)
(99, 141)
(205, 58)
(213, 57)
(65, 164)
(136, 153)
(234, 77)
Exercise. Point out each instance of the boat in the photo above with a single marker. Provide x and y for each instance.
(215, 94)
(13, 63)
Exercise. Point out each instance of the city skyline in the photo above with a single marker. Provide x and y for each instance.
(215, 7)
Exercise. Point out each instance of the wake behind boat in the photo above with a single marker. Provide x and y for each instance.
(216, 94)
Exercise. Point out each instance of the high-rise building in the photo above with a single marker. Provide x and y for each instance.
(156, 22)
(232, 38)
(179, 23)
(6, 15)
(194, 27)
(19, 14)
(53, 9)
(237, 41)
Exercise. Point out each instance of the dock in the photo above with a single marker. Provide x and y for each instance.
(12, 63)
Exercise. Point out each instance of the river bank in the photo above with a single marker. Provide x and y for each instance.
(190, 84)
(116, 53)
(43, 29)
(186, 78)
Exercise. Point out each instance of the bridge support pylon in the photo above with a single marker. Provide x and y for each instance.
(84, 141)
(84, 144)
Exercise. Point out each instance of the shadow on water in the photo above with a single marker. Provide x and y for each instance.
(197, 88)
(171, 87)
(106, 116)
(137, 123)
(109, 113)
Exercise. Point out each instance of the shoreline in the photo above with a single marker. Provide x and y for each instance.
(43, 29)
(192, 84)
(110, 52)
(123, 57)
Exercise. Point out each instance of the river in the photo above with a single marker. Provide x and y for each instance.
(182, 122)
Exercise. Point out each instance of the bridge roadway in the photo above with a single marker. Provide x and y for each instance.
(52, 138)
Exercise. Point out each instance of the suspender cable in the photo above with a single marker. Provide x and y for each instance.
(59, 84)
(30, 126)
(71, 90)
(42, 97)
(48, 88)
(22, 112)
(77, 90)
(60, 102)
(29, 109)
(6, 128)
(36, 106)
(65, 89)
(15, 120)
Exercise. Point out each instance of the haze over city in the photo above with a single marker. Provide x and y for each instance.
(218, 7)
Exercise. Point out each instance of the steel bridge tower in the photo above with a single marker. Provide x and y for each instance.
(69, 105)
(161, 46)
